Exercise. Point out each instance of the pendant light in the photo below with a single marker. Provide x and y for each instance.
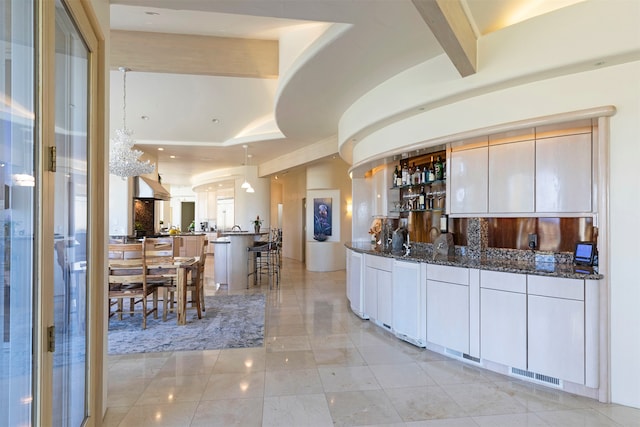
(245, 185)
(123, 160)
(250, 188)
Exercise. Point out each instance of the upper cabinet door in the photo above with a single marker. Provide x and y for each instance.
(563, 174)
(511, 177)
(468, 177)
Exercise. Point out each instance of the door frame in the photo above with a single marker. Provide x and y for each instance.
(87, 23)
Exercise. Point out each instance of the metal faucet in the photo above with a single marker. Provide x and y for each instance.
(236, 228)
(437, 249)
(407, 246)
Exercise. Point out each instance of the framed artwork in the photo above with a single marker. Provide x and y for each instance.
(322, 218)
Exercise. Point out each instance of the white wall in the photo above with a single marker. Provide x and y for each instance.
(294, 185)
(328, 178)
(555, 73)
(120, 206)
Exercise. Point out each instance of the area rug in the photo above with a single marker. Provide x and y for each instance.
(230, 321)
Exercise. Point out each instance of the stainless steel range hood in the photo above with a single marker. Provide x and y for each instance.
(145, 188)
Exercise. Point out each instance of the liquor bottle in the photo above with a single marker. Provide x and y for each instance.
(394, 183)
(399, 176)
(438, 168)
(422, 199)
(432, 173)
(405, 174)
(416, 175)
(423, 176)
(444, 169)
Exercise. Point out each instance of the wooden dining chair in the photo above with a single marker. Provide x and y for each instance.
(160, 260)
(128, 281)
(198, 280)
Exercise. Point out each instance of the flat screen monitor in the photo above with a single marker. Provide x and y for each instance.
(585, 253)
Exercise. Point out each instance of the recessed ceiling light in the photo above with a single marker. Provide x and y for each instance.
(151, 13)
(215, 120)
(172, 157)
(144, 117)
(160, 149)
(219, 185)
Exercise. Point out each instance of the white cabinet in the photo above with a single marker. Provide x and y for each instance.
(410, 301)
(378, 297)
(563, 174)
(503, 318)
(468, 180)
(381, 185)
(355, 292)
(221, 261)
(448, 307)
(556, 318)
(511, 177)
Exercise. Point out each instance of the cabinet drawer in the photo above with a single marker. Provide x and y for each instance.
(445, 273)
(510, 282)
(378, 262)
(556, 287)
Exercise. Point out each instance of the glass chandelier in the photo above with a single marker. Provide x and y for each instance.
(124, 159)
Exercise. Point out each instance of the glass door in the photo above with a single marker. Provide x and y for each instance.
(70, 222)
(17, 207)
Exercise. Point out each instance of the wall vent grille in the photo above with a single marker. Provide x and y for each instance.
(545, 379)
(471, 358)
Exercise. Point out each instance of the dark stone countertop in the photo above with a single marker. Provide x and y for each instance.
(540, 268)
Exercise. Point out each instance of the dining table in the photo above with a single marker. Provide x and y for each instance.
(184, 265)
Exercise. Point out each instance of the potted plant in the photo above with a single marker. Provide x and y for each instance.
(138, 229)
(257, 223)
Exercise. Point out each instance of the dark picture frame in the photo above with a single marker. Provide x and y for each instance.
(322, 218)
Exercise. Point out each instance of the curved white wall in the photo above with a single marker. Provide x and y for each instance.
(537, 68)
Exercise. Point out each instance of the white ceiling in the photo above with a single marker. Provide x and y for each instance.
(385, 37)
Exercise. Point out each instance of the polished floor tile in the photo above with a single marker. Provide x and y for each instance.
(323, 366)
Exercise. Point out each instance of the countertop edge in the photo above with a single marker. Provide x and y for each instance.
(493, 265)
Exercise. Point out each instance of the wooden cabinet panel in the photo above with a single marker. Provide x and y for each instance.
(448, 315)
(445, 273)
(511, 177)
(556, 337)
(370, 308)
(355, 292)
(385, 298)
(468, 178)
(503, 330)
(410, 301)
(563, 174)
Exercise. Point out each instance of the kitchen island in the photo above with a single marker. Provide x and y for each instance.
(236, 256)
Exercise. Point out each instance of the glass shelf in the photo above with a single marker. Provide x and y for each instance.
(418, 210)
(405, 187)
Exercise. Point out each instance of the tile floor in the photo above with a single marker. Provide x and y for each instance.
(323, 366)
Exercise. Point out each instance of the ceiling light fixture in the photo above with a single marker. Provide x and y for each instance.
(123, 160)
(245, 184)
(250, 189)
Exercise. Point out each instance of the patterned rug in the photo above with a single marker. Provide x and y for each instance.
(231, 321)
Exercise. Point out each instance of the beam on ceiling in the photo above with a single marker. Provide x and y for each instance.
(193, 54)
(451, 27)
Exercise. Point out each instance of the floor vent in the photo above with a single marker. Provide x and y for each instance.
(545, 379)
